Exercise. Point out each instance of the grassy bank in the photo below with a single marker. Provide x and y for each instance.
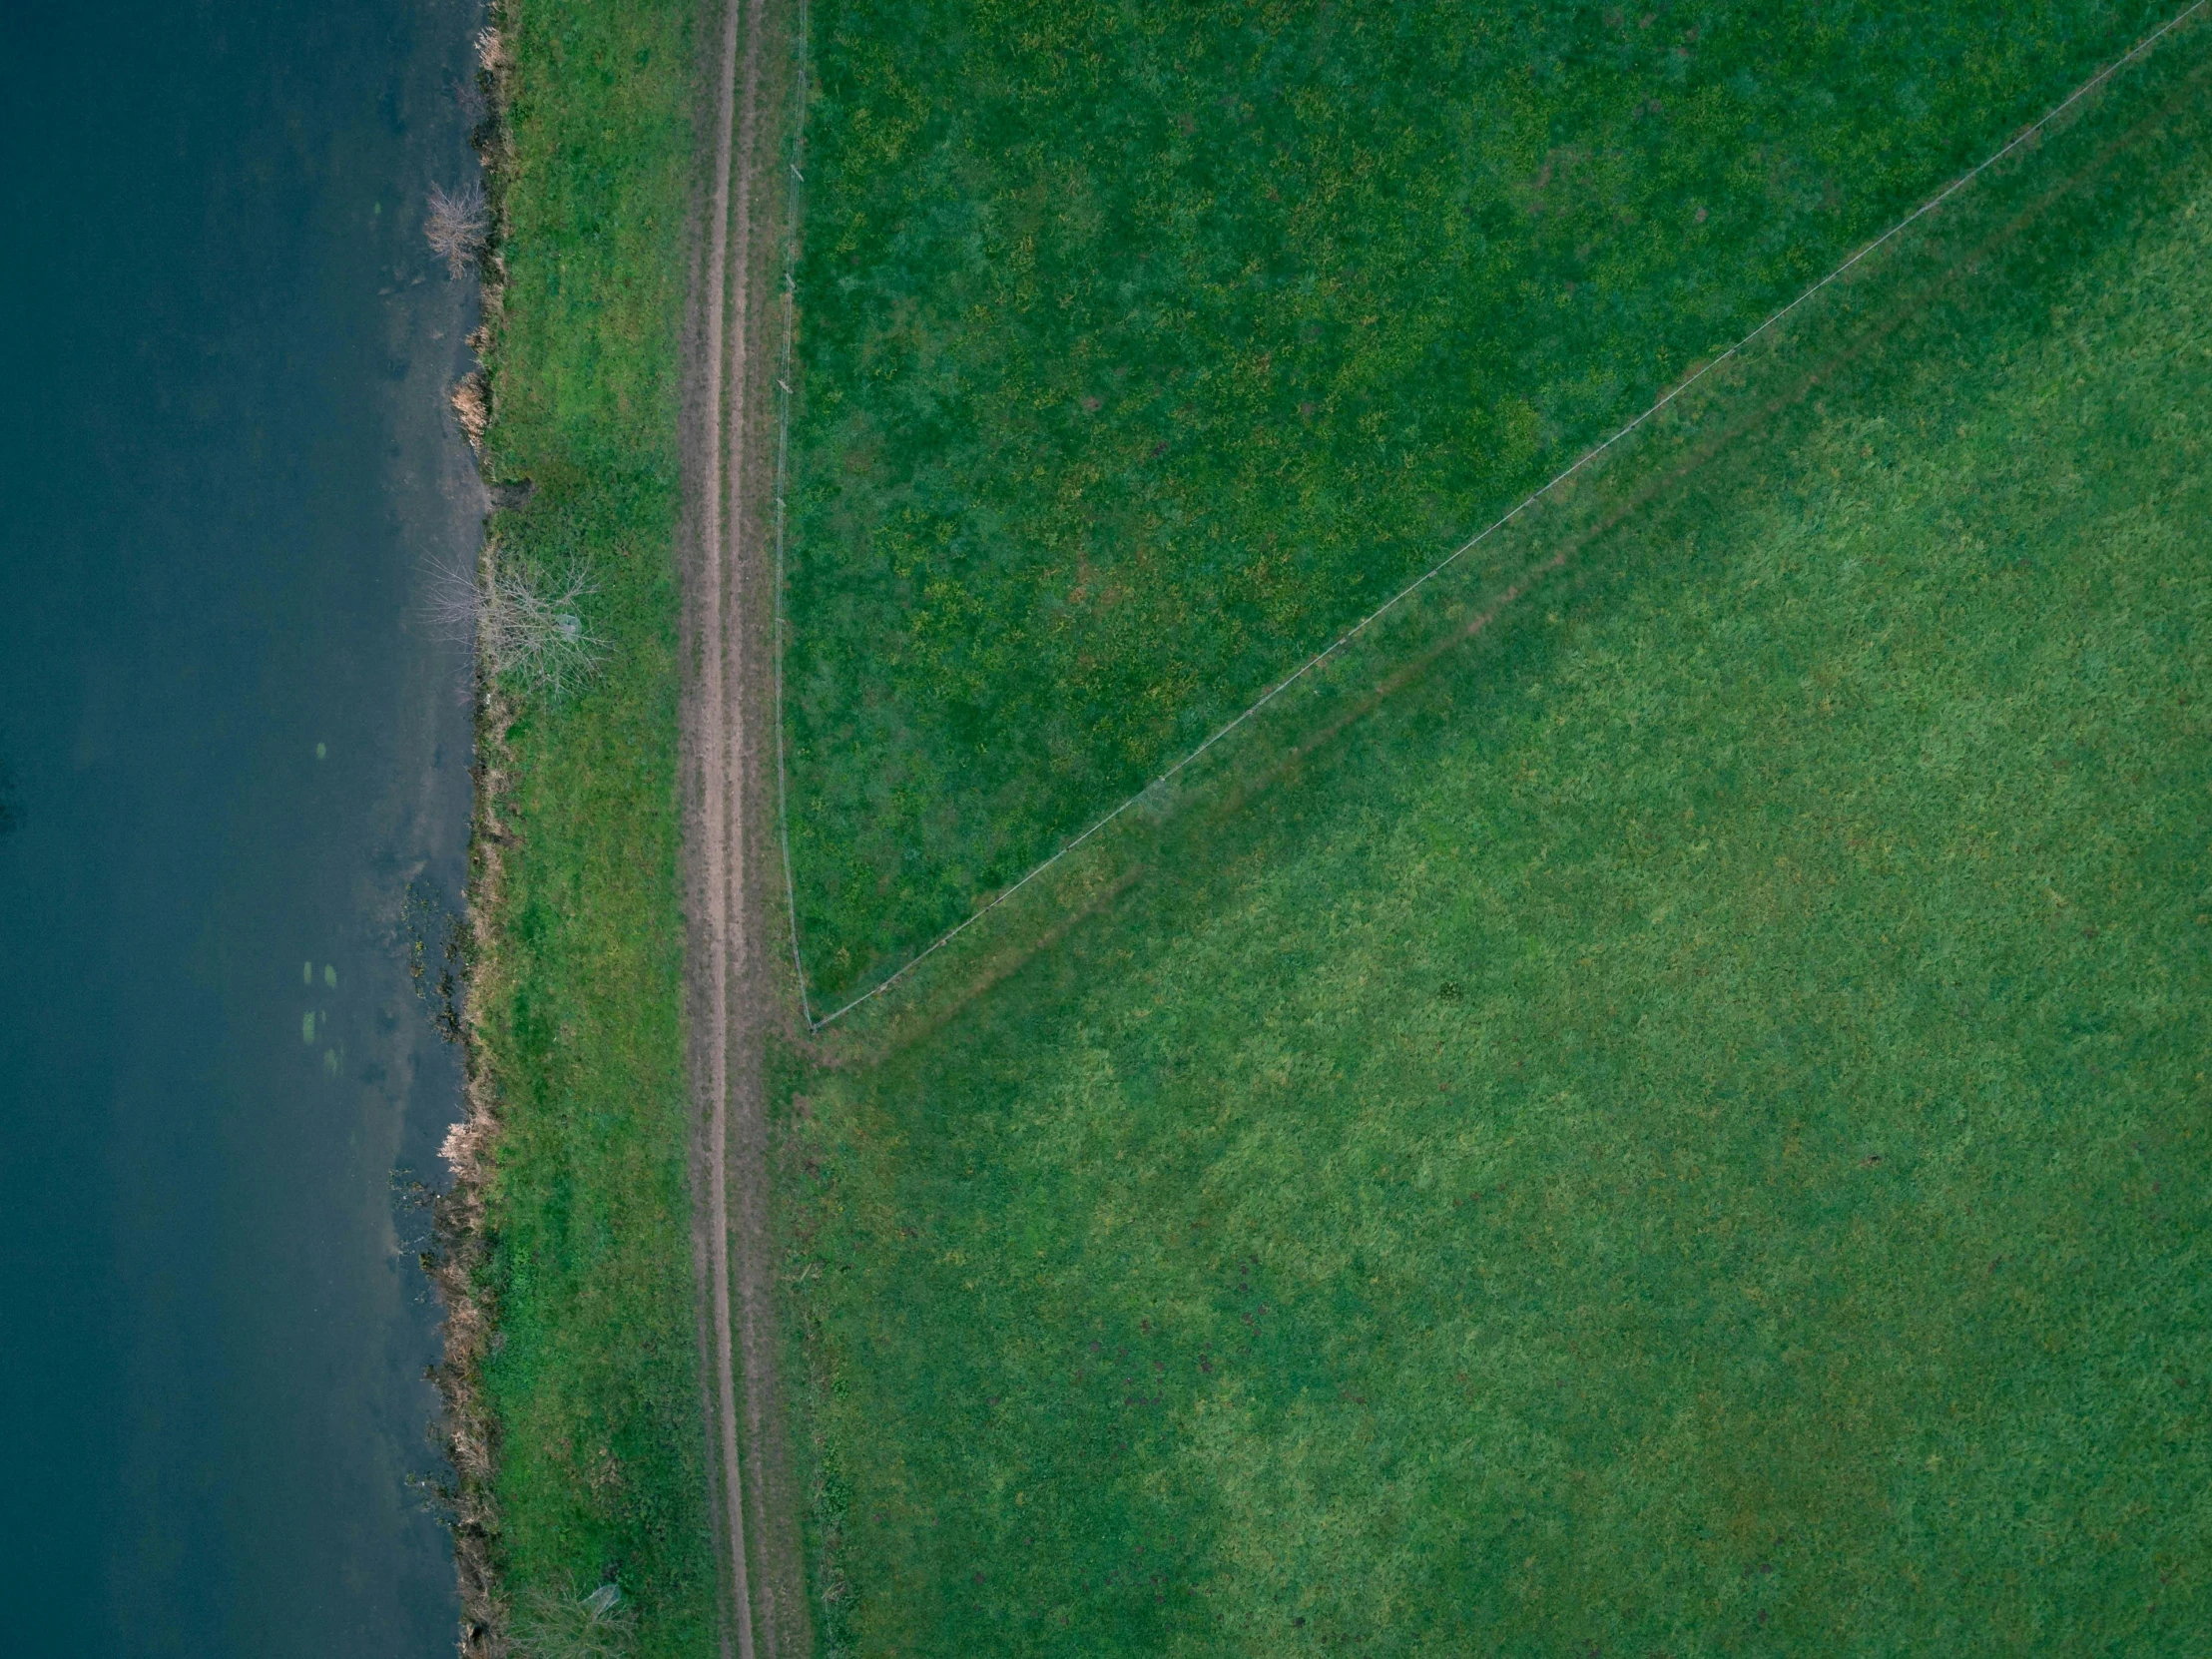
(1145, 348)
(591, 1381)
(1685, 1131)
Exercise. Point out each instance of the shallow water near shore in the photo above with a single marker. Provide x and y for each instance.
(239, 780)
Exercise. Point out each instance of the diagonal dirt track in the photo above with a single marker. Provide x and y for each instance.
(727, 713)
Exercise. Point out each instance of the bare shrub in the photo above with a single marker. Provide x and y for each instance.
(469, 94)
(552, 1625)
(458, 224)
(525, 627)
(491, 51)
(471, 407)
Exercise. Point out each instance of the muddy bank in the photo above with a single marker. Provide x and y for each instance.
(459, 1260)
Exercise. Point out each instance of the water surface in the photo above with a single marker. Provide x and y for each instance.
(225, 461)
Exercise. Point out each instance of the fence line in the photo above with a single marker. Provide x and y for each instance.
(782, 453)
(2025, 135)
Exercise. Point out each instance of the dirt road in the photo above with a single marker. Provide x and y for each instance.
(729, 738)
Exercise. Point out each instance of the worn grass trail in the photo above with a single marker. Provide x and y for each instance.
(729, 705)
(1685, 1129)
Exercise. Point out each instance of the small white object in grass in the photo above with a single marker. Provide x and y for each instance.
(601, 1599)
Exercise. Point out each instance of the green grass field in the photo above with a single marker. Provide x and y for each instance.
(1145, 347)
(1685, 1131)
(594, 1386)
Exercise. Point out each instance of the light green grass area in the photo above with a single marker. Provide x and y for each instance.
(1685, 1131)
(1144, 346)
(594, 1386)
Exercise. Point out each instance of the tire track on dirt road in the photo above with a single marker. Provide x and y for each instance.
(728, 707)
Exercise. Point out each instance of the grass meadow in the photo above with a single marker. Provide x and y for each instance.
(1144, 347)
(1685, 1129)
(594, 1383)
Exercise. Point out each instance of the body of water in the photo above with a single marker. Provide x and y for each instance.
(234, 752)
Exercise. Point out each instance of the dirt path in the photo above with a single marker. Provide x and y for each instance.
(728, 710)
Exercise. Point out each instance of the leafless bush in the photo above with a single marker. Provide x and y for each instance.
(471, 401)
(551, 1624)
(469, 94)
(491, 51)
(524, 626)
(458, 224)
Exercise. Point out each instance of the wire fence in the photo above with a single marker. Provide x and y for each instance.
(2027, 135)
(796, 161)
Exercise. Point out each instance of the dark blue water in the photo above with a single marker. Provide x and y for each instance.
(224, 462)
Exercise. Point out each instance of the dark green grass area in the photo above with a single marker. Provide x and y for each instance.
(1687, 1131)
(1145, 347)
(594, 1385)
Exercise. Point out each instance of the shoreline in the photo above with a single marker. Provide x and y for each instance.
(460, 1235)
(750, 1520)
